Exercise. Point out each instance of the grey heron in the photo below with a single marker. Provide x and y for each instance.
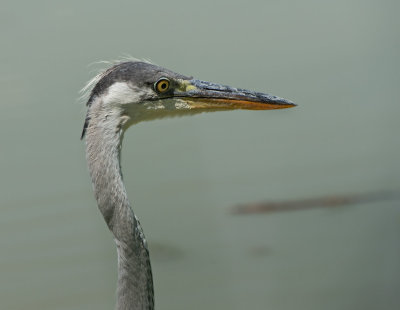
(127, 93)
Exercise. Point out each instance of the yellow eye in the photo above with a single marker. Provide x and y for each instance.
(162, 85)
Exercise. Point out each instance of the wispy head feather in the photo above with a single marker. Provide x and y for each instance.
(106, 67)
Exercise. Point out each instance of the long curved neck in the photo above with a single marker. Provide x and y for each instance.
(103, 144)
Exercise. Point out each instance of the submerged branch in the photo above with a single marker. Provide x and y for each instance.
(309, 203)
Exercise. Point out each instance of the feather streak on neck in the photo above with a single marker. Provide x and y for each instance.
(103, 146)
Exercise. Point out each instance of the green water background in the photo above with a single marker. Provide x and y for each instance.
(339, 60)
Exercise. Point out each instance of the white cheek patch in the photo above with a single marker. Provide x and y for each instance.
(125, 100)
(157, 109)
(122, 93)
(167, 105)
(181, 104)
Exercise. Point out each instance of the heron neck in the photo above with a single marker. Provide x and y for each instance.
(135, 283)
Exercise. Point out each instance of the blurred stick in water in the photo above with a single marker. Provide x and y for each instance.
(319, 202)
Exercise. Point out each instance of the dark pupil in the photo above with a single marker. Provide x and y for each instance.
(163, 85)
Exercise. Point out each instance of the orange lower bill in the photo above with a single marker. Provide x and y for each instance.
(231, 104)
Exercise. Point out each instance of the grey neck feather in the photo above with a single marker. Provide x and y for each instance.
(103, 145)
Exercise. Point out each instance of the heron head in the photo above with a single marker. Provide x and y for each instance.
(135, 91)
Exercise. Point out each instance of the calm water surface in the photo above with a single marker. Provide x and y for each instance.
(338, 61)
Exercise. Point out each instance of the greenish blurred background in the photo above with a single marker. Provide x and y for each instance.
(338, 60)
